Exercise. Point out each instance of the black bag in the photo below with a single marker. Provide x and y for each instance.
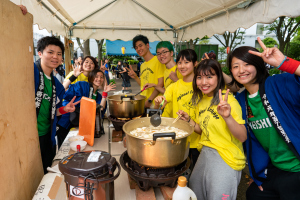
(74, 117)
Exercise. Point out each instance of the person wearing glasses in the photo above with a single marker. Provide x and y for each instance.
(164, 53)
(152, 71)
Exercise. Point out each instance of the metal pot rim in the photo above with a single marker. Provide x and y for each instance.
(159, 139)
(110, 98)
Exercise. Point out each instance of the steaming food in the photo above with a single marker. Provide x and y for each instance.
(147, 132)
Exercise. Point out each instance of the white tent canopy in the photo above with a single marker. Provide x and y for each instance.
(157, 19)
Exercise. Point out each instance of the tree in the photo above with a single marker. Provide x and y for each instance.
(285, 29)
(231, 40)
(222, 52)
(86, 47)
(270, 42)
(100, 45)
(204, 40)
(191, 44)
(294, 50)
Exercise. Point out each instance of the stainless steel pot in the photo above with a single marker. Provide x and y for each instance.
(159, 153)
(126, 106)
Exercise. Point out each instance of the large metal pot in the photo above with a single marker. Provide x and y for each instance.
(126, 106)
(162, 152)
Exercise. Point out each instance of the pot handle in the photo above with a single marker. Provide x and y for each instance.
(159, 135)
(126, 96)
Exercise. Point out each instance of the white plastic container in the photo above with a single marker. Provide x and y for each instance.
(182, 192)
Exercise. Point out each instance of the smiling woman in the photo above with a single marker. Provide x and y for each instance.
(81, 72)
(81, 89)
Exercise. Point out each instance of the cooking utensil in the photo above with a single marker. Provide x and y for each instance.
(156, 119)
(121, 107)
(141, 90)
(87, 120)
(177, 119)
(153, 152)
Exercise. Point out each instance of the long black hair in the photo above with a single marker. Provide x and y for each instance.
(208, 67)
(243, 54)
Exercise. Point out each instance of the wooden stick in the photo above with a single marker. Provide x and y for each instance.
(176, 119)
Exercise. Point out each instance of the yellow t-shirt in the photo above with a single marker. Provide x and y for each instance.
(216, 134)
(180, 94)
(81, 77)
(167, 81)
(151, 71)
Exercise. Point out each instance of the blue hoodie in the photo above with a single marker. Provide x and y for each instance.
(283, 93)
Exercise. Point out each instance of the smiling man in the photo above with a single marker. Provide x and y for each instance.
(48, 96)
(152, 71)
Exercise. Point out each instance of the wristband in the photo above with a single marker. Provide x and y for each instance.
(72, 78)
(104, 94)
(289, 65)
(189, 120)
(61, 110)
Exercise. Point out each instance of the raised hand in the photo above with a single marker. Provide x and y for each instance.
(206, 57)
(70, 107)
(109, 87)
(77, 70)
(173, 76)
(184, 115)
(272, 56)
(131, 72)
(224, 108)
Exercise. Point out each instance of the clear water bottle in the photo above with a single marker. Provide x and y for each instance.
(182, 192)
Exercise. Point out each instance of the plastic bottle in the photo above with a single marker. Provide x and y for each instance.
(182, 192)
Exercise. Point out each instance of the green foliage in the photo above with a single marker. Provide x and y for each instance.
(294, 51)
(226, 70)
(274, 71)
(204, 40)
(270, 42)
(115, 60)
(132, 62)
(112, 81)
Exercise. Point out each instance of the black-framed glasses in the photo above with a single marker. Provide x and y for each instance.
(162, 53)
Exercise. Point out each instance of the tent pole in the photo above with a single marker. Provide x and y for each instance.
(175, 36)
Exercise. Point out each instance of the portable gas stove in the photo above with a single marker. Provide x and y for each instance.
(147, 177)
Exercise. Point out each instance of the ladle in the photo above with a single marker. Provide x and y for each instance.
(155, 119)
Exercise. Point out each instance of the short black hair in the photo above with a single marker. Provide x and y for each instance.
(49, 40)
(93, 60)
(142, 38)
(243, 54)
(188, 54)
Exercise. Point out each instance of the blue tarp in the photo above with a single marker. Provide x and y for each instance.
(113, 48)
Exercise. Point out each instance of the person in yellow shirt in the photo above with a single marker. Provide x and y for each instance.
(80, 72)
(152, 71)
(180, 95)
(218, 170)
(165, 52)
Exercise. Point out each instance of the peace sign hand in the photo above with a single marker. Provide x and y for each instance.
(70, 107)
(131, 72)
(272, 56)
(224, 107)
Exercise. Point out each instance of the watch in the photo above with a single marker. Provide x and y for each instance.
(149, 100)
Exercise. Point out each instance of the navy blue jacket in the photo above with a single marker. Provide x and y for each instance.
(60, 91)
(283, 93)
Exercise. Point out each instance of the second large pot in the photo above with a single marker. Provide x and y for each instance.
(159, 153)
(126, 106)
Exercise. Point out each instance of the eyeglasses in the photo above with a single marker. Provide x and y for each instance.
(162, 53)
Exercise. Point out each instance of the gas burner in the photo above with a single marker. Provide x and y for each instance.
(147, 177)
(119, 122)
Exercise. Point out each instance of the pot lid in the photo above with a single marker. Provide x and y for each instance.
(90, 162)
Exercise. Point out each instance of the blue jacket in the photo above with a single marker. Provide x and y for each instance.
(60, 91)
(283, 93)
(79, 89)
